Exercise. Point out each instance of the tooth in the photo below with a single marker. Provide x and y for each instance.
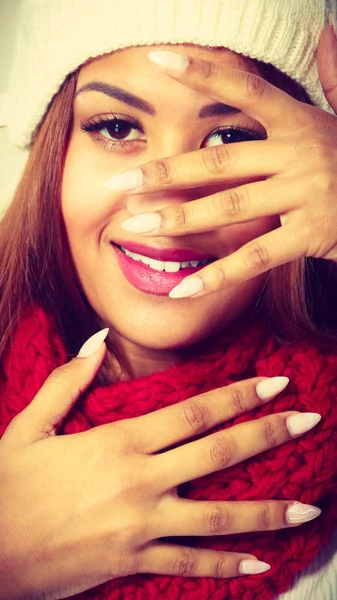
(145, 260)
(156, 264)
(194, 263)
(184, 264)
(171, 267)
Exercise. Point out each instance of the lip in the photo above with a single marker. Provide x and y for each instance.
(146, 279)
(164, 254)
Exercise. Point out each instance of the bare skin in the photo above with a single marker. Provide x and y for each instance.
(156, 334)
(99, 500)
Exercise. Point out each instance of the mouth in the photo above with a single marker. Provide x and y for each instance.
(157, 270)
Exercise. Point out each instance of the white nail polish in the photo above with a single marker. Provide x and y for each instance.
(170, 60)
(297, 424)
(301, 513)
(268, 388)
(144, 223)
(252, 567)
(93, 343)
(127, 181)
(187, 287)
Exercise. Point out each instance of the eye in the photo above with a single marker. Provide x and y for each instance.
(115, 131)
(230, 135)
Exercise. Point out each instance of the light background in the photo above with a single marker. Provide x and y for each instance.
(12, 159)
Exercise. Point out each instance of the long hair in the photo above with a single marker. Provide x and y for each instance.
(298, 302)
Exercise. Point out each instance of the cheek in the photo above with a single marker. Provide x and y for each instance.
(86, 204)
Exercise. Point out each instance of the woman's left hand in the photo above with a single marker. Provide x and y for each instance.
(297, 167)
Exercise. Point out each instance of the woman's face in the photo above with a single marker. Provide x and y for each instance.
(147, 321)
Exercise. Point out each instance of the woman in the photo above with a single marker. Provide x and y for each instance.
(74, 266)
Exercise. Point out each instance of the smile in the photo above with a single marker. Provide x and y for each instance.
(155, 276)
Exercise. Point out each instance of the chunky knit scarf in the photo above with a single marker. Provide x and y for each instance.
(303, 469)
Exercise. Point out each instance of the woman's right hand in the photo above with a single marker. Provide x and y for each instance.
(79, 510)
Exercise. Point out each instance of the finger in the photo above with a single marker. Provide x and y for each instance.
(239, 162)
(183, 561)
(167, 426)
(229, 447)
(273, 108)
(227, 207)
(275, 248)
(327, 65)
(58, 394)
(179, 516)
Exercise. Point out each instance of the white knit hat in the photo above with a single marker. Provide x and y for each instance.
(57, 36)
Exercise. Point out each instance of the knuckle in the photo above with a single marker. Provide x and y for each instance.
(258, 255)
(317, 150)
(232, 202)
(264, 518)
(209, 69)
(325, 181)
(186, 562)
(162, 173)
(270, 433)
(219, 275)
(223, 452)
(218, 520)
(238, 400)
(215, 159)
(196, 416)
(256, 86)
(221, 567)
(180, 217)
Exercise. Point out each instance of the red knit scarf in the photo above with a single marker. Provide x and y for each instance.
(303, 469)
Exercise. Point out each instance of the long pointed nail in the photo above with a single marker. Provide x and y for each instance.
(188, 287)
(132, 179)
(170, 60)
(93, 343)
(144, 223)
(268, 388)
(301, 423)
(301, 513)
(251, 566)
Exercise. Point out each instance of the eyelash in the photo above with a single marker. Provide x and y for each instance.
(96, 124)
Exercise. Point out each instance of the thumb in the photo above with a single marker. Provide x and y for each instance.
(327, 63)
(58, 394)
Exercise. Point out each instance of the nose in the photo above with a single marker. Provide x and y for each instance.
(171, 143)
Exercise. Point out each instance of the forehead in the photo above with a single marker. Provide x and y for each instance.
(132, 63)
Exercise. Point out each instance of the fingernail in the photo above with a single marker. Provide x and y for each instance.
(301, 423)
(129, 180)
(93, 343)
(251, 567)
(332, 21)
(301, 513)
(170, 60)
(188, 287)
(270, 387)
(142, 223)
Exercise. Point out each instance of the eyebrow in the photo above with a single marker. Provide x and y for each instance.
(211, 110)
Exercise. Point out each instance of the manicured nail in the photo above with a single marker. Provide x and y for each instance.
(250, 566)
(170, 60)
(332, 21)
(270, 387)
(127, 181)
(144, 223)
(301, 513)
(301, 423)
(93, 343)
(188, 287)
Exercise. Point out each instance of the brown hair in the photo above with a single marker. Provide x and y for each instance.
(299, 299)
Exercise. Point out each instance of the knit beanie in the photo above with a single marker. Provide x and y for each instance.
(55, 37)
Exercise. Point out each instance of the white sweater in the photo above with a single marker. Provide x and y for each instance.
(319, 580)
